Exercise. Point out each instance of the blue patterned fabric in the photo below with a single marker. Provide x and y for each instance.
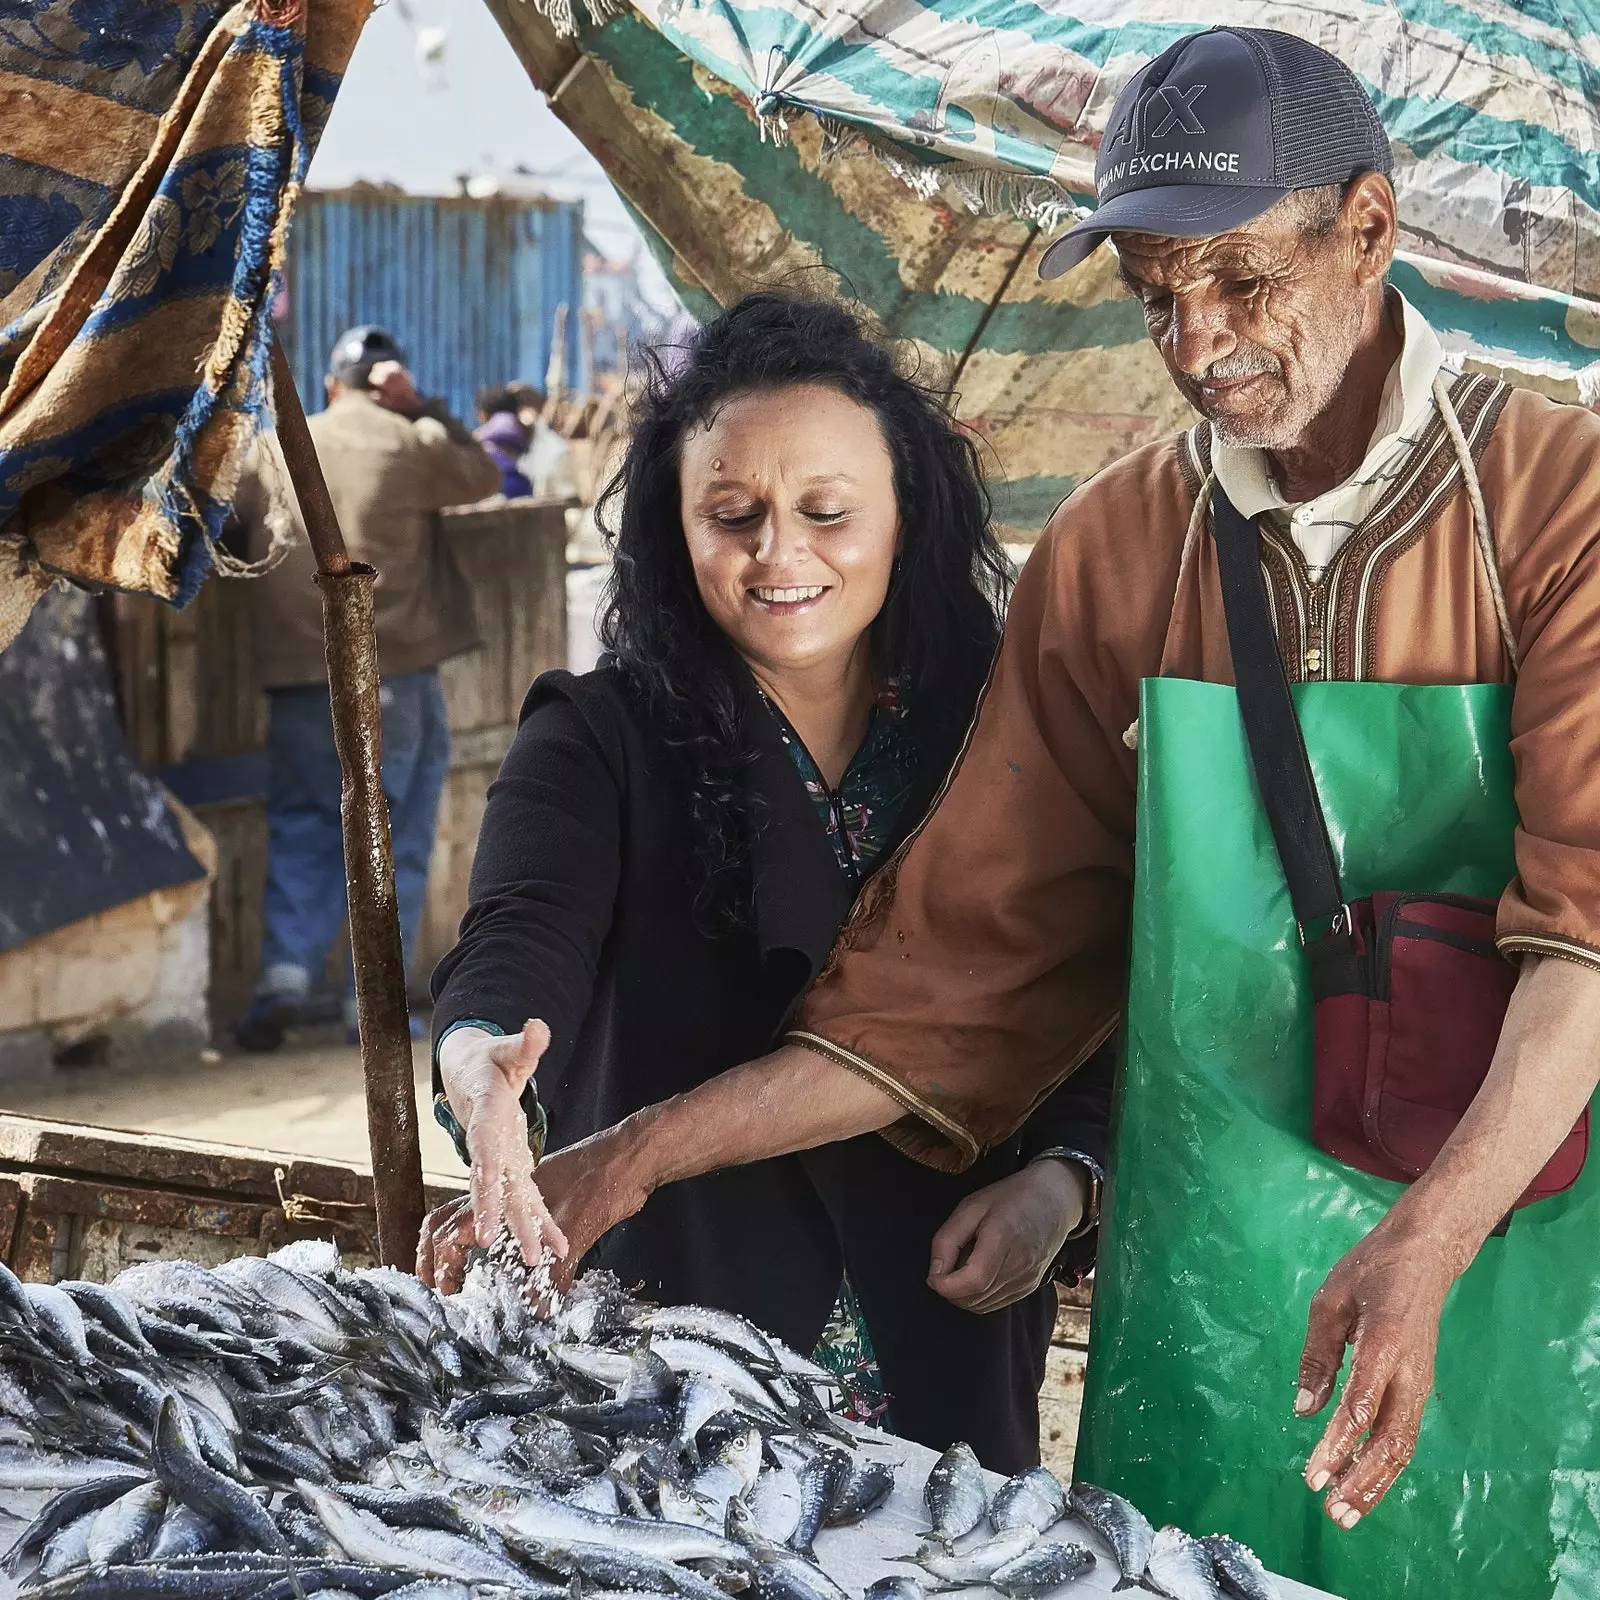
(152, 152)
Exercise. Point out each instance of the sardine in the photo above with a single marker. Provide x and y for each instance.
(649, 1378)
(24, 1468)
(699, 1400)
(515, 1402)
(867, 1487)
(623, 1569)
(427, 1551)
(400, 1508)
(175, 1455)
(895, 1588)
(775, 1504)
(955, 1494)
(692, 1356)
(725, 1328)
(1033, 1499)
(124, 1530)
(1238, 1569)
(617, 1419)
(1045, 1566)
(980, 1563)
(607, 1368)
(112, 1309)
(733, 1472)
(1119, 1523)
(61, 1321)
(83, 1500)
(1180, 1568)
(678, 1505)
(68, 1549)
(532, 1514)
(821, 1481)
(596, 1494)
(184, 1532)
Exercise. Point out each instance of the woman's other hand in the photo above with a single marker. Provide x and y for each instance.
(484, 1076)
(1000, 1242)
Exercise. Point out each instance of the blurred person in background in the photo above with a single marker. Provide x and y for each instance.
(393, 459)
(505, 436)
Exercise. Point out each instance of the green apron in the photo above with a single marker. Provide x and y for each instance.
(1223, 1218)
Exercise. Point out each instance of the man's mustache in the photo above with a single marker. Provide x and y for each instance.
(1241, 364)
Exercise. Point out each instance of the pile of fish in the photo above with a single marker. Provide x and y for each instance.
(1000, 1543)
(284, 1428)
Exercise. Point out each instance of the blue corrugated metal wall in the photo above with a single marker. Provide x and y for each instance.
(468, 287)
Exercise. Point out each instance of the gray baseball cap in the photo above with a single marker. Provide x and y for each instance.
(1219, 128)
(357, 350)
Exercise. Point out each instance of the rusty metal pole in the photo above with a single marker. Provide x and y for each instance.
(351, 640)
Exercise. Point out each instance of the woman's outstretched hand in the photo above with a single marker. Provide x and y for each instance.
(484, 1076)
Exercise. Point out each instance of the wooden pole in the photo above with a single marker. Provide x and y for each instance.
(351, 639)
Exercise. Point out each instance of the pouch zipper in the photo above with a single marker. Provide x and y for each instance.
(1389, 924)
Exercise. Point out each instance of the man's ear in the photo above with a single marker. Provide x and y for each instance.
(1369, 213)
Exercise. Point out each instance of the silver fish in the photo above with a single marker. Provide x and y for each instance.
(821, 1480)
(532, 1514)
(955, 1495)
(733, 1472)
(452, 1453)
(693, 1356)
(61, 1321)
(699, 1400)
(608, 1368)
(363, 1537)
(1239, 1571)
(124, 1530)
(1180, 1568)
(1119, 1523)
(710, 1326)
(1033, 1499)
(678, 1505)
(1045, 1566)
(775, 1504)
(63, 1508)
(780, 1574)
(895, 1588)
(184, 1532)
(24, 1468)
(112, 1309)
(67, 1550)
(866, 1488)
(597, 1494)
(979, 1564)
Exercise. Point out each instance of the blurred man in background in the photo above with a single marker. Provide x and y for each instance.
(392, 460)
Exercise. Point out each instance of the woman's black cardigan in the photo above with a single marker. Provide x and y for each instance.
(582, 912)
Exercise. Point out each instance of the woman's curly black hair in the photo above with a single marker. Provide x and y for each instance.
(939, 624)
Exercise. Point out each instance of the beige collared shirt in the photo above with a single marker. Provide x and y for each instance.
(1320, 526)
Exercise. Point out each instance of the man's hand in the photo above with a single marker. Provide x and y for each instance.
(590, 1187)
(1384, 1299)
(1000, 1241)
(484, 1077)
(392, 387)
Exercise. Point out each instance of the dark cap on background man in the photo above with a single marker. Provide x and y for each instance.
(1219, 128)
(358, 350)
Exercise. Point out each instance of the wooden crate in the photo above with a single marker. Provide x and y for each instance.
(79, 1202)
(190, 700)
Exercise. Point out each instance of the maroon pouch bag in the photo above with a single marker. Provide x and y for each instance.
(1409, 989)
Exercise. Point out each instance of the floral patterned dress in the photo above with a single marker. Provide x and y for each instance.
(861, 816)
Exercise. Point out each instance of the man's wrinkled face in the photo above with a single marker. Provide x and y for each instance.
(1257, 327)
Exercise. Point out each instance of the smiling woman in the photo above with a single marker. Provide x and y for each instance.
(803, 609)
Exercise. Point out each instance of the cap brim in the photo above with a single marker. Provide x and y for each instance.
(1178, 210)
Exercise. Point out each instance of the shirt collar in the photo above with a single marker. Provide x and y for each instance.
(1245, 472)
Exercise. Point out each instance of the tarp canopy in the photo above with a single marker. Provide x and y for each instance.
(1059, 378)
(151, 155)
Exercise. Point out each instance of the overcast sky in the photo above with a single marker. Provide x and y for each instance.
(402, 119)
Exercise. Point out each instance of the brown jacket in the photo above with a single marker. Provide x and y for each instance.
(992, 961)
(388, 476)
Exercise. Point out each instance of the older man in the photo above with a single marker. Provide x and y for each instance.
(1244, 184)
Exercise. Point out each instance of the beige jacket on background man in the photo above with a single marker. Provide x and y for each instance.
(389, 477)
(988, 962)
